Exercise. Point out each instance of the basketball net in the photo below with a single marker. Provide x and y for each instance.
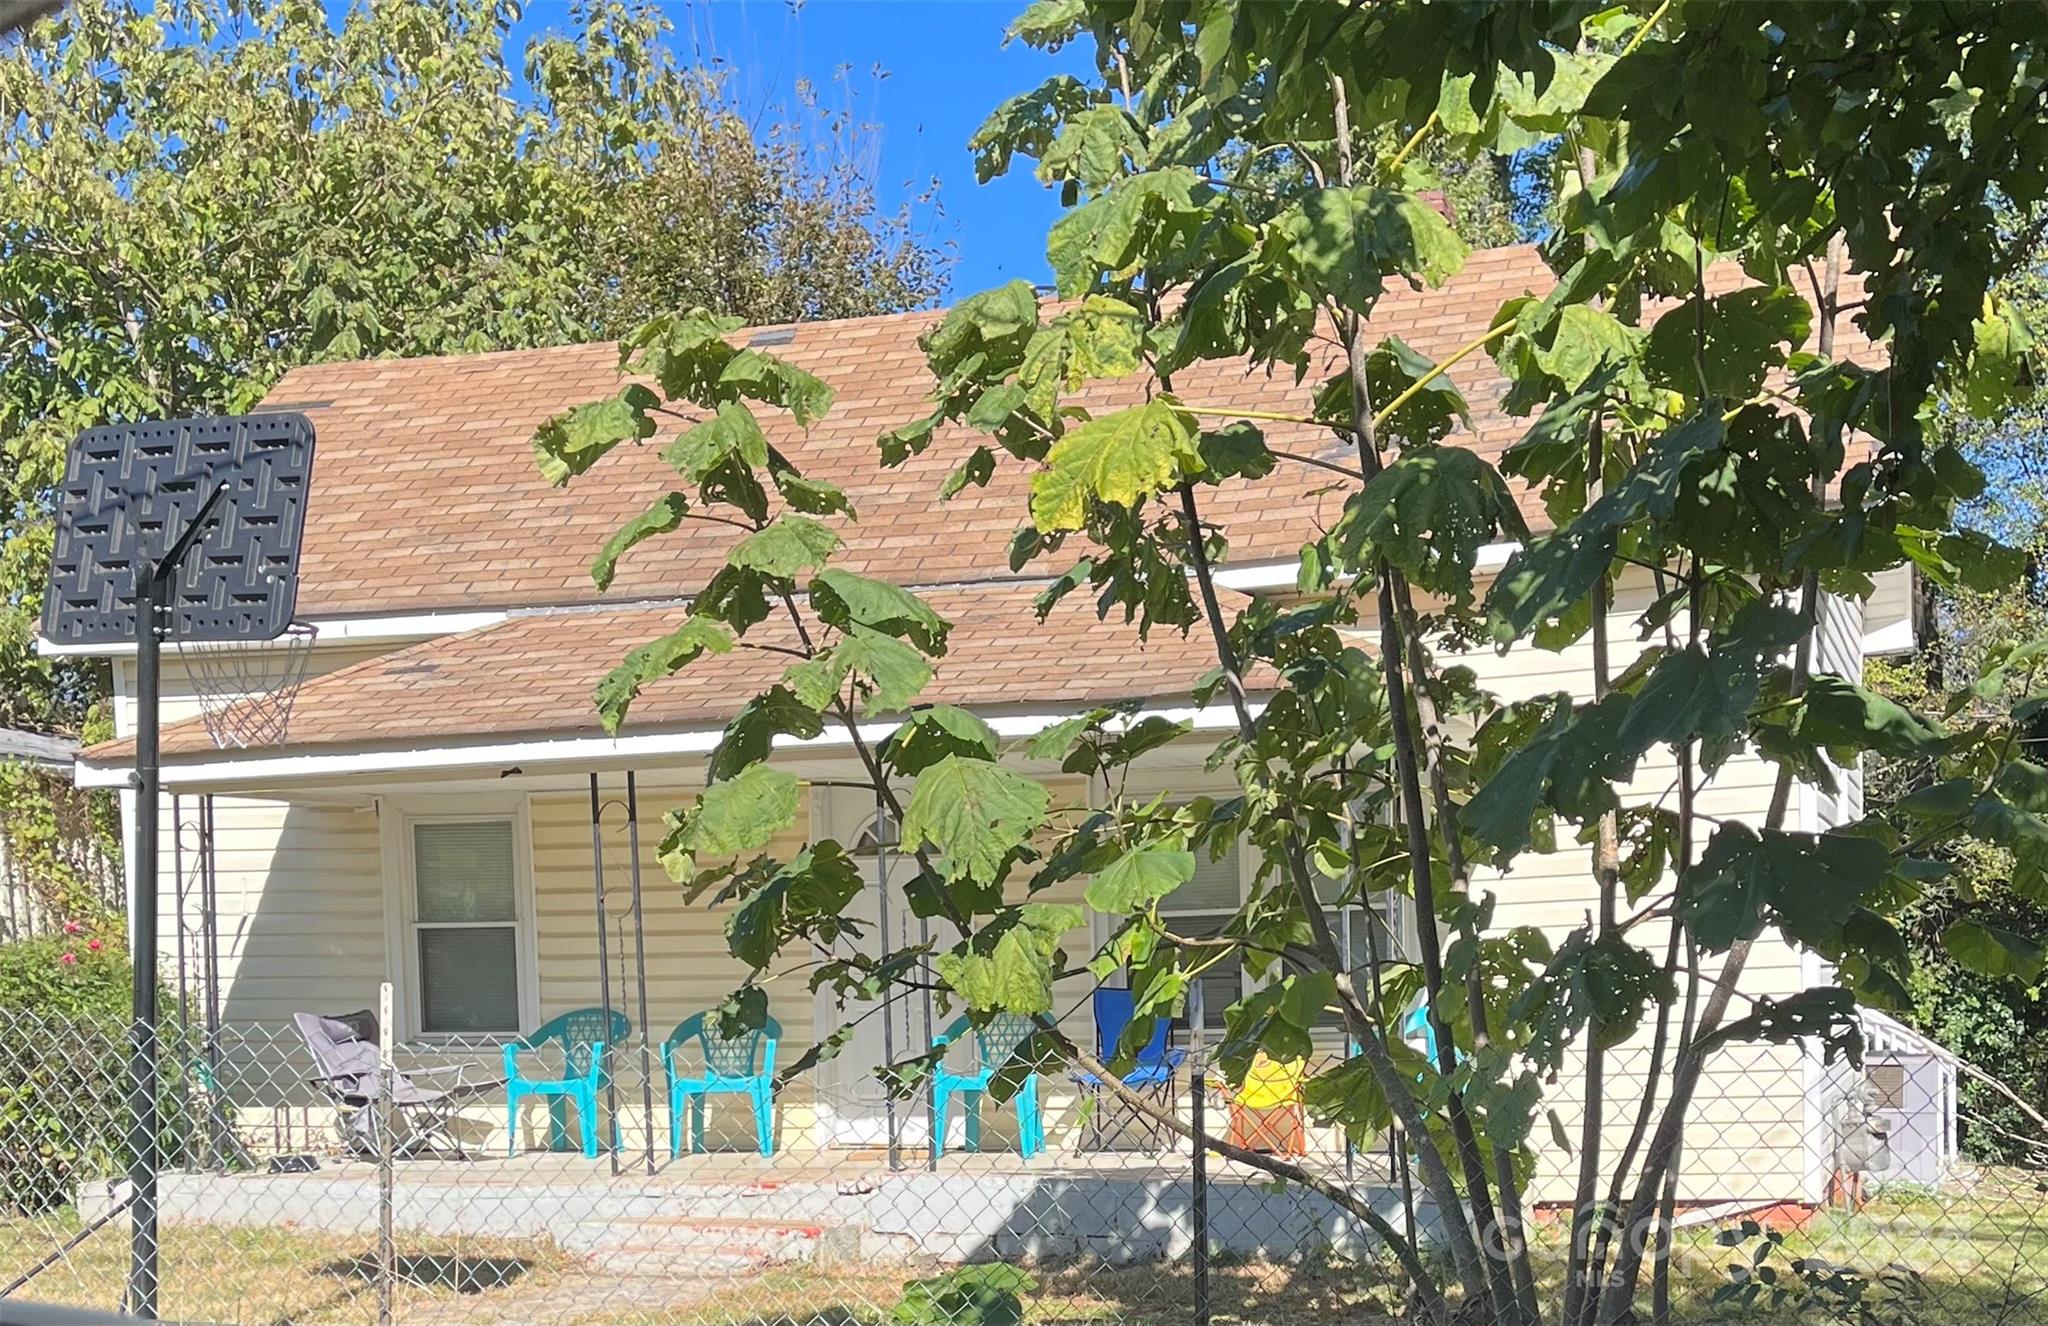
(246, 690)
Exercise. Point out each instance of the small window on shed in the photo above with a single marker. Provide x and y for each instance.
(1887, 1084)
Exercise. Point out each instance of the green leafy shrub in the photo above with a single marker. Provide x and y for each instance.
(64, 1003)
(81, 974)
(988, 1294)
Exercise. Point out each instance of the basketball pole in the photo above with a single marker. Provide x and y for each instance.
(154, 588)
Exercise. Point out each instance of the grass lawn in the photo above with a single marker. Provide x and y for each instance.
(227, 1274)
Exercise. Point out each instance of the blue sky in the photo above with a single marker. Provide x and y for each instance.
(945, 69)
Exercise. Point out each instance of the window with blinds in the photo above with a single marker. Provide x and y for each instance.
(1202, 907)
(465, 922)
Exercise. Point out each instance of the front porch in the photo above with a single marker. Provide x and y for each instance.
(733, 1214)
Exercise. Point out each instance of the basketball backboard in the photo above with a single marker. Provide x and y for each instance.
(130, 490)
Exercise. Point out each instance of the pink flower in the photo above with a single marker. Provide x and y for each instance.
(73, 928)
(93, 946)
(68, 959)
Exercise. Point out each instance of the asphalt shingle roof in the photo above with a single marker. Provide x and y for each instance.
(425, 497)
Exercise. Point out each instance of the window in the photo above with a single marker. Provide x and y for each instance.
(1202, 907)
(1887, 1085)
(466, 926)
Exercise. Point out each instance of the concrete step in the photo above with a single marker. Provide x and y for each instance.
(695, 1245)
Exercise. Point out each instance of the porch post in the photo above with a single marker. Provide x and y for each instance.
(209, 902)
(604, 971)
(640, 962)
(882, 833)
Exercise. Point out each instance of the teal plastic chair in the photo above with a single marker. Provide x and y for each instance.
(583, 1036)
(730, 1068)
(993, 1046)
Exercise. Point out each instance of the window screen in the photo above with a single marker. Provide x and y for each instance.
(463, 871)
(469, 980)
(1201, 907)
(1887, 1086)
(466, 924)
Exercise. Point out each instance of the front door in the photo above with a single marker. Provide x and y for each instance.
(854, 1107)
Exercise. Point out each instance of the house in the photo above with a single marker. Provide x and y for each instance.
(443, 811)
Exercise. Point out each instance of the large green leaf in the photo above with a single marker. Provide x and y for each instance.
(893, 672)
(742, 814)
(1396, 368)
(777, 382)
(1549, 577)
(983, 324)
(732, 431)
(1118, 459)
(1110, 232)
(1809, 884)
(2003, 360)
(792, 545)
(845, 600)
(775, 712)
(1235, 451)
(803, 898)
(684, 353)
(1708, 693)
(1348, 240)
(1428, 513)
(1582, 341)
(1747, 333)
(975, 813)
(660, 518)
(1025, 124)
(571, 442)
(657, 658)
(1007, 965)
(1092, 146)
(813, 497)
(1994, 950)
(1142, 875)
(1565, 764)
(930, 735)
(1845, 716)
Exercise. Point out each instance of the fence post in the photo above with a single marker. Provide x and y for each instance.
(386, 1253)
(1199, 1091)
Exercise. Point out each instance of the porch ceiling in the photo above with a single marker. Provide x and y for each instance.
(529, 681)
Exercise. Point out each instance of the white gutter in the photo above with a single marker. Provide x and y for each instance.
(395, 628)
(1255, 576)
(560, 750)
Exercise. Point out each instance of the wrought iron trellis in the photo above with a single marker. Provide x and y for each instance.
(630, 805)
(195, 925)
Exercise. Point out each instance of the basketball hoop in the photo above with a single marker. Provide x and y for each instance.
(246, 691)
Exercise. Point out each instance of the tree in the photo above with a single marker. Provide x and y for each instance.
(1999, 1023)
(1707, 434)
(198, 195)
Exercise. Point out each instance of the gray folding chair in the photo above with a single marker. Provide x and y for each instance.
(344, 1050)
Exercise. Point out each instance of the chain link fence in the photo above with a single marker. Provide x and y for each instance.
(285, 1198)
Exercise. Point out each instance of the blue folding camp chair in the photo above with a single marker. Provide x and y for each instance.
(1150, 1074)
